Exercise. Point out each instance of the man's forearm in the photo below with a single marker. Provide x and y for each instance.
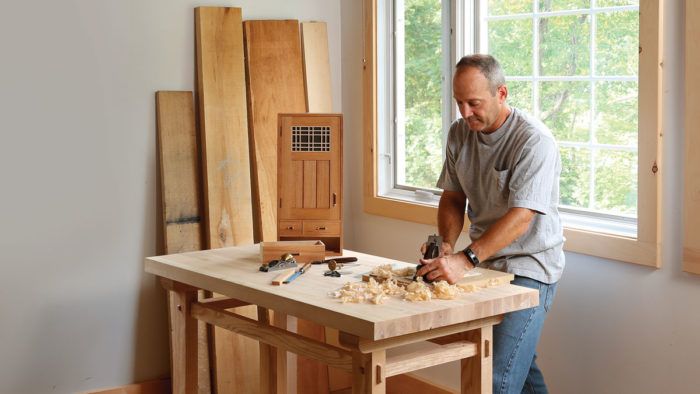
(451, 218)
(502, 233)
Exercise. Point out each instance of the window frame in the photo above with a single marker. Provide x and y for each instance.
(691, 202)
(644, 249)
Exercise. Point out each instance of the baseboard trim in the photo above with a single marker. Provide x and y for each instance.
(159, 386)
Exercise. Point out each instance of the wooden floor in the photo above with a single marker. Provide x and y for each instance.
(399, 384)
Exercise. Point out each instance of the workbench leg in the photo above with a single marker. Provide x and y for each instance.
(368, 372)
(183, 341)
(273, 362)
(477, 371)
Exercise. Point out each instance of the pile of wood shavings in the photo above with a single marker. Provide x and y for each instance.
(371, 291)
(446, 291)
(376, 293)
(387, 272)
(418, 291)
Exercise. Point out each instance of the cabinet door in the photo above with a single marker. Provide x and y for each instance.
(309, 166)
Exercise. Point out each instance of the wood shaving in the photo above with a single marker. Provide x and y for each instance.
(376, 293)
(493, 283)
(371, 291)
(418, 291)
(446, 291)
(466, 288)
(387, 272)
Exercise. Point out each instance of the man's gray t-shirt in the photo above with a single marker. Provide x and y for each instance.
(517, 165)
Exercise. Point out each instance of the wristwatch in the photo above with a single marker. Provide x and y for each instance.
(471, 256)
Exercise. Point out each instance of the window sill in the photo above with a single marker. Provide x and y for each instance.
(404, 205)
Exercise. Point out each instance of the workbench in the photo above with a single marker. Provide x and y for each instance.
(371, 336)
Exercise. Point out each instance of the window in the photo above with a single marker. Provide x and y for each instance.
(588, 68)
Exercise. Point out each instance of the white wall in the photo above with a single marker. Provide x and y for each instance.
(78, 181)
(614, 327)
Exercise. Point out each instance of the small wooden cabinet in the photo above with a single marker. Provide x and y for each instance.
(309, 179)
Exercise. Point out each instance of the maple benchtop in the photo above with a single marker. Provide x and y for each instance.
(234, 272)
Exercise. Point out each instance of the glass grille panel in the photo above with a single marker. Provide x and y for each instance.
(575, 63)
(311, 139)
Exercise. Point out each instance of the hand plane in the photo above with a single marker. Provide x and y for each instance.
(286, 261)
(432, 250)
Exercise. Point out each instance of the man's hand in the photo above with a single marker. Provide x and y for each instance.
(449, 267)
(445, 248)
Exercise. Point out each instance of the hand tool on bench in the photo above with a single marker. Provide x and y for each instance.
(299, 272)
(340, 260)
(333, 267)
(287, 261)
(432, 251)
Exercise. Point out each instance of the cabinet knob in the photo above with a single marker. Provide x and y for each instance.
(321, 228)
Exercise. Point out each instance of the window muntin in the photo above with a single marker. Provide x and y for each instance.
(579, 62)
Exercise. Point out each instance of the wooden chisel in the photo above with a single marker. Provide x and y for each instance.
(340, 260)
(300, 271)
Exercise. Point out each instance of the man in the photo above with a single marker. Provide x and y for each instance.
(506, 165)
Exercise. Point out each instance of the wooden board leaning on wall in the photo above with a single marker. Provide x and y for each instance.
(180, 183)
(275, 82)
(227, 186)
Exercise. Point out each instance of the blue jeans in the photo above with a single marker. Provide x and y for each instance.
(514, 342)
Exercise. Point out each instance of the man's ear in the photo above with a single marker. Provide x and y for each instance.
(502, 93)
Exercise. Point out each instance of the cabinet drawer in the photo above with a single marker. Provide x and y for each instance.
(289, 227)
(321, 227)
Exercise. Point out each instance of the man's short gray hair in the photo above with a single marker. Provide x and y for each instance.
(488, 65)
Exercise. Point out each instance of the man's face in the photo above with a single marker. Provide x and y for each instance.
(482, 110)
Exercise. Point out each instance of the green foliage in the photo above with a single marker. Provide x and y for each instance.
(616, 182)
(592, 177)
(564, 45)
(614, 3)
(520, 95)
(510, 41)
(423, 94)
(561, 5)
(507, 7)
(617, 43)
(575, 173)
(616, 117)
(565, 109)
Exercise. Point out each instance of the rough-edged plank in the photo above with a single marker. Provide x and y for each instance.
(317, 68)
(224, 126)
(179, 167)
(275, 85)
(228, 201)
(178, 157)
